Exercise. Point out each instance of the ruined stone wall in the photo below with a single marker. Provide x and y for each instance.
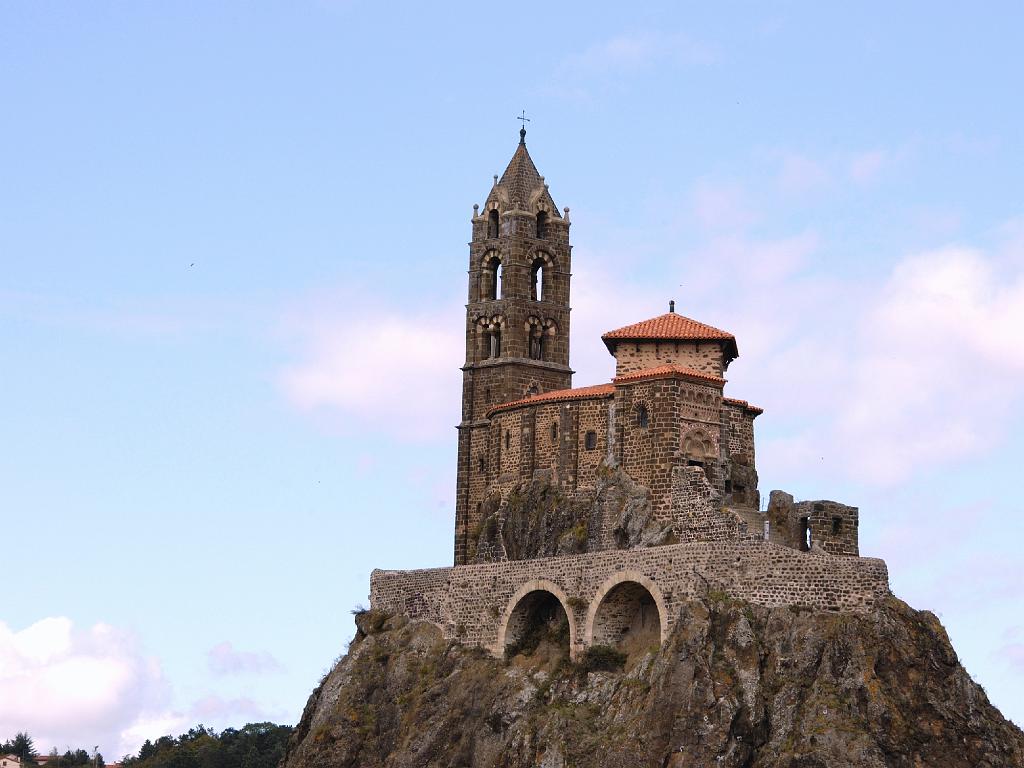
(832, 527)
(705, 357)
(472, 602)
(738, 452)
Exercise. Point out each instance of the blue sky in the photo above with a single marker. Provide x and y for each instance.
(232, 240)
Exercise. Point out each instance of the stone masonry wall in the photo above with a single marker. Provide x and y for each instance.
(471, 602)
(705, 357)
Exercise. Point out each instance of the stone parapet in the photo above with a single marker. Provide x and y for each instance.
(473, 603)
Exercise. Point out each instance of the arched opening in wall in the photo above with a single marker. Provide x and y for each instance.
(628, 620)
(537, 280)
(538, 629)
(494, 341)
(554, 431)
(490, 279)
(642, 417)
(805, 534)
(493, 226)
(542, 225)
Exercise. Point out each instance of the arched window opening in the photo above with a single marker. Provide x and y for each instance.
(542, 225)
(538, 629)
(628, 620)
(536, 342)
(642, 417)
(537, 280)
(490, 279)
(590, 440)
(493, 227)
(495, 342)
(554, 431)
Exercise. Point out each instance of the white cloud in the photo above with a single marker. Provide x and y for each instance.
(364, 367)
(939, 360)
(76, 687)
(225, 659)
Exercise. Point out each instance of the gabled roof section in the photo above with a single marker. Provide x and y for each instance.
(559, 395)
(521, 186)
(671, 327)
(669, 371)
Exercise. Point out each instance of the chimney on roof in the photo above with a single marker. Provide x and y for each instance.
(672, 306)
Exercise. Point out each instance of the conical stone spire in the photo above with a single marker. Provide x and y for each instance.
(521, 185)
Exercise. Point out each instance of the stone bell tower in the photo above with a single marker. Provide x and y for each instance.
(517, 318)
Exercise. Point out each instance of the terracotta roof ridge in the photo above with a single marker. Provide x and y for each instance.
(667, 370)
(575, 393)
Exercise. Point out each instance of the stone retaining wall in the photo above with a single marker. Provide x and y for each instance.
(474, 602)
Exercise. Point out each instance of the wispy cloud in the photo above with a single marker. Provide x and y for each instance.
(225, 659)
(361, 366)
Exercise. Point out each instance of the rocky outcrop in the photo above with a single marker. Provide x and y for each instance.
(733, 685)
(536, 519)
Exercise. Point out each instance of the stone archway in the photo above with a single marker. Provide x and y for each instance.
(533, 613)
(628, 609)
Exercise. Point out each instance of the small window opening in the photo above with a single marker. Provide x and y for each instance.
(537, 280)
(542, 225)
(728, 486)
(694, 463)
(837, 525)
(554, 431)
(508, 440)
(805, 534)
(495, 350)
(492, 223)
(590, 440)
(642, 417)
(481, 463)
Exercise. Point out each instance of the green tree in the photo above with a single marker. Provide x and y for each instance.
(23, 747)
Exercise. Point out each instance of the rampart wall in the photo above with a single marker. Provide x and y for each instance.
(474, 602)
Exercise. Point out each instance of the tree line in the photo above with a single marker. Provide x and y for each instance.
(257, 745)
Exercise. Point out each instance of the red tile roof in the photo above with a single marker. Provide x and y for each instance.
(743, 404)
(667, 371)
(558, 395)
(671, 327)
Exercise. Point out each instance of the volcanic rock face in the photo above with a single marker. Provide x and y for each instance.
(537, 520)
(734, 685)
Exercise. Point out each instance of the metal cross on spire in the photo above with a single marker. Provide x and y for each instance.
(522, 131)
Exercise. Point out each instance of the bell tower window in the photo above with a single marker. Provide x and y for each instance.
(490, 279)
(537, 280)
(495, 346)
(492, 224)
(542, 225)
